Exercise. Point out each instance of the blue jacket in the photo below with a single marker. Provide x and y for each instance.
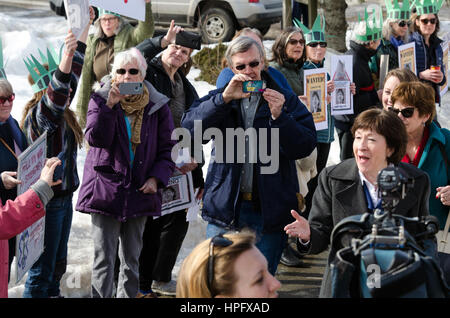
(226, 74)
(422, 58)
(323, 135)
(433, 164)
(273, 194)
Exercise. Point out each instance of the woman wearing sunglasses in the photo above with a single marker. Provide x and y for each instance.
(12, 143)
(429, 54)
(128, 163)
(228, 265)
(427, 143)
(395, 33)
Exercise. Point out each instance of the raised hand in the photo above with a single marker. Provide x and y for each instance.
(299, 228)
(48, 170)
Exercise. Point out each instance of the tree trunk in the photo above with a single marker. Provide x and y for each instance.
(336, 24)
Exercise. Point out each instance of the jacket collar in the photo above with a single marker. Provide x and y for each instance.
(352, 198)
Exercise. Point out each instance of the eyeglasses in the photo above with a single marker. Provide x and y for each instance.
(295, 42)
(131, 71)
(221, 241)
(404, 23)
(315, 44)
(104, 20)
(241, 67)
(406, 112)
(9, 98)
(426, 21)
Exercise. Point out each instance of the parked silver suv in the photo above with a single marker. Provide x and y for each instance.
(217, 20)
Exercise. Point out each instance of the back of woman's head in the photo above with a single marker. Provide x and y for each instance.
(279, 46)
(192, 280)
(417, 94)
(387, 124)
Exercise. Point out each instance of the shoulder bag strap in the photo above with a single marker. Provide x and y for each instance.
(8, 147)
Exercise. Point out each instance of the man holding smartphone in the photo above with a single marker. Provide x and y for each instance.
(240, 192)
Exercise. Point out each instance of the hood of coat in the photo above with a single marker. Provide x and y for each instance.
(102, 88)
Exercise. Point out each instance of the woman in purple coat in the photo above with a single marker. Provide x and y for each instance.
(128, 163)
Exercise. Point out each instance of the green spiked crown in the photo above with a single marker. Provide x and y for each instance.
(2, 70)
(102, 12)
(316, 34)
(40, 75)
(427, 6)
(395, 12)
(373, 32)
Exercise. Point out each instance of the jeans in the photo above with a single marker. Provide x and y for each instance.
(45, 275)
(271, 245)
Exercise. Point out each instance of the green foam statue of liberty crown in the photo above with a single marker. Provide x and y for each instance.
(427, 6)
(316, 34)
(395, 12)
(2, 69)
(102, 12)
(373, 32)
(40, 75)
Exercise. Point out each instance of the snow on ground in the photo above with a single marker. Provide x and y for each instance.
(23, 32)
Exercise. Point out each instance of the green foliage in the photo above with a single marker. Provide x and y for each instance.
(209, 61)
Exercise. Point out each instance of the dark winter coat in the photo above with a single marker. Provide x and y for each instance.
(340, 194)
(424, 59)
(274, 195)
(159, 78)
(110, 184)
(10, 132)
(366, 95)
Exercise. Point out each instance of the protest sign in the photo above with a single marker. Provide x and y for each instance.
(133, 9)
(78, 16)
(445, 49)
(342, 76)
(407, 57)
(30, 243)
(315, 83)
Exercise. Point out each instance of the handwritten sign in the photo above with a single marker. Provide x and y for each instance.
(134, 9)
(77, 15)
(30, 243)
(407, 57)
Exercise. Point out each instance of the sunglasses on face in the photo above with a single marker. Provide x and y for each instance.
(241, 67)
(218, 240)
(131, 71)
(426, 21)
(406, 112)
(404, 23)
(315, 44)
(9, 98)
(295, 42)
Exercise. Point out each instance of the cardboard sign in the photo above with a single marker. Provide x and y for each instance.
(130, 8)
(30, 243)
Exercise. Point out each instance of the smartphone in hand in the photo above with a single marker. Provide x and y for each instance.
(253, 86)
(131, 88)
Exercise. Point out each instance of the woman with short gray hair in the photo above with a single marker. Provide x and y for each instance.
(128, 163)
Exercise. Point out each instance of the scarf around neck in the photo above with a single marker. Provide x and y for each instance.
(134, 109)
